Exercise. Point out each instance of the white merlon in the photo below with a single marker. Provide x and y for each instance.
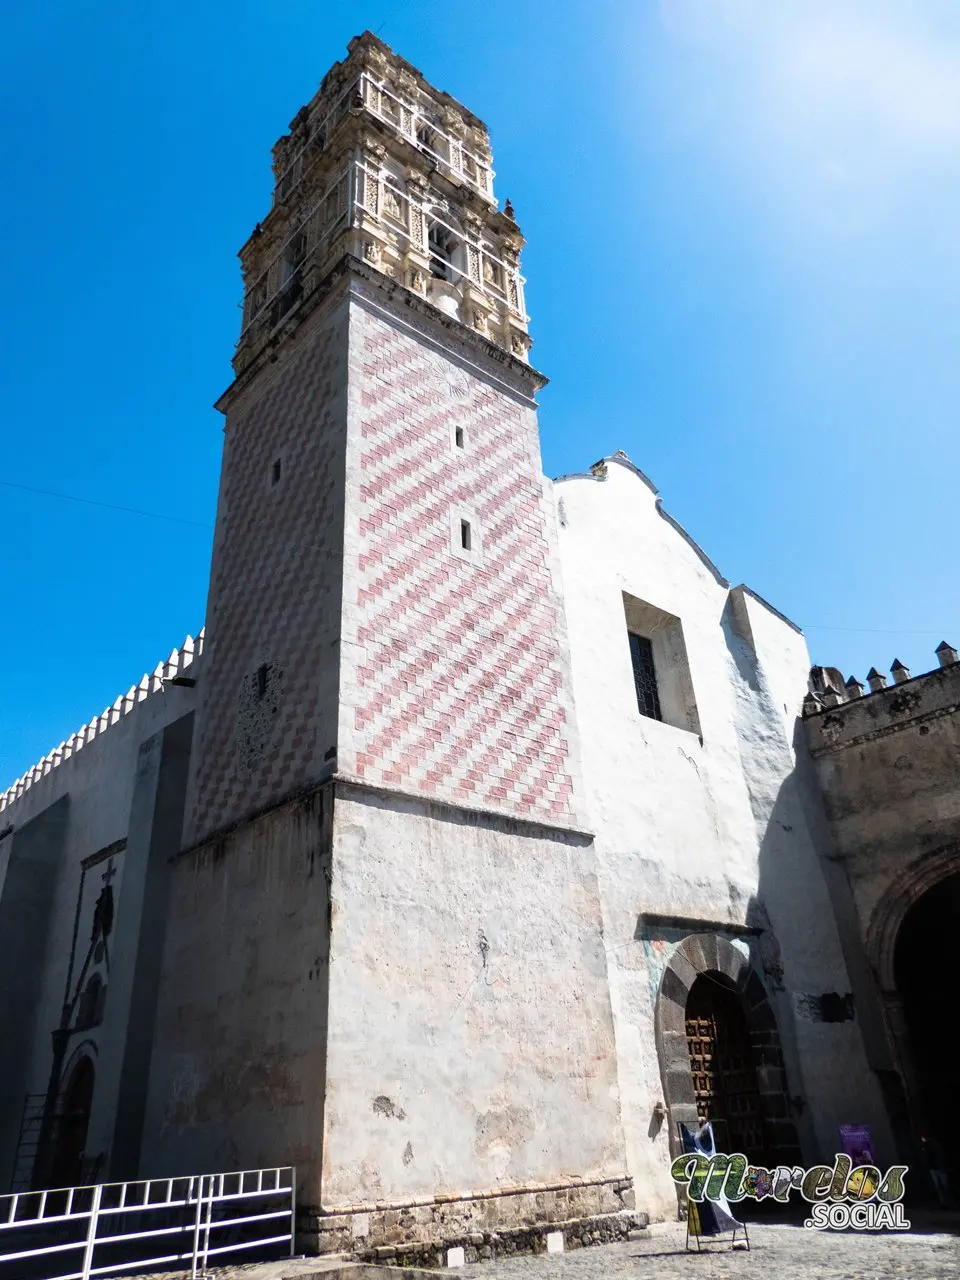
(178, 662)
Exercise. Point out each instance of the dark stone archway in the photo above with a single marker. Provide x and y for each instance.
(709, 954)
(903, 892)
(923, 964)
(892, 922)
(73, 1119)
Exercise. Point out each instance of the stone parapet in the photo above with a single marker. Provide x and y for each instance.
(862, 719)
(178, 669)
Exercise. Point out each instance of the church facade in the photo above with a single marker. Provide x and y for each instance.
(477, 841)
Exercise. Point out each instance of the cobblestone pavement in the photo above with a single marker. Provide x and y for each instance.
(776, 1253)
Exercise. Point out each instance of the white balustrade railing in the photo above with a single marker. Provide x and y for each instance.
(93, 1231)
(337, 209)
(405, 117)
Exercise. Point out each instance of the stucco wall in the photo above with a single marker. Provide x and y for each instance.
(470, 1034)
(711, 829)
(95, 789)
(238, 1066)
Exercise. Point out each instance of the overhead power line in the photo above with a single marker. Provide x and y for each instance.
(886, 631)
(199, 524)
(109, 506)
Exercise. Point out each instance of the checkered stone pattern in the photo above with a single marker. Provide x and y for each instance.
(275, 587)
(459, 683)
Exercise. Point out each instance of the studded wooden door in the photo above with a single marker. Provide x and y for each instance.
(724, 1076)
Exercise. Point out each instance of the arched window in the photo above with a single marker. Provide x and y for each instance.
(428, 135)
(290, 277)
(446, 253)
(293, 257)
(90, 1004)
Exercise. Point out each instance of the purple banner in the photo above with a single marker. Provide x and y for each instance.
(857, 1142)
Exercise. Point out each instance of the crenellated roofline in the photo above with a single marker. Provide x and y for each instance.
(174, 671)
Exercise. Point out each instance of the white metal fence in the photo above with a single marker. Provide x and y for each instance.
(171, 1223)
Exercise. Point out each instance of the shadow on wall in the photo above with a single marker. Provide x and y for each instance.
(804, 895)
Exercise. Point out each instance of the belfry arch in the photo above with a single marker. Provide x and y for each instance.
(707, 977)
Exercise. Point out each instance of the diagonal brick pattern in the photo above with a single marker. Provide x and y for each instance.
(459, 683)
(275, 588)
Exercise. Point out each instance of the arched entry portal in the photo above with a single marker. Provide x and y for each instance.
(737, 1002)
(722, 1063)
(894, 937)
(66, 1168)
(924, 957)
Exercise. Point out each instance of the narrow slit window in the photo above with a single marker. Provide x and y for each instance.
(275, 472)
(466, 539)
(644, 676)
(458, 437)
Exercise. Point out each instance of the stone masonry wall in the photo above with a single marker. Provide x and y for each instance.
(268, 716)
(485, 1224)
(887, 764)
(455, 679)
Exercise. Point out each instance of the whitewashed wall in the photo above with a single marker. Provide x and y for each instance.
(690, 827)
(94, 786)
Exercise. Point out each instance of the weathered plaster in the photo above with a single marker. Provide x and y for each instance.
(237, 1077)
(94, 789)
(711, 827)
(470, 1034)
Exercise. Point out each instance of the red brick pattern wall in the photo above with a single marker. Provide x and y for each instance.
(275, 589)
(457, 682)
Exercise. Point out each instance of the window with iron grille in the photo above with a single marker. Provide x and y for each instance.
(644, 676)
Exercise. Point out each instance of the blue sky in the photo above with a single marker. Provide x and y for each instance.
(743, 266)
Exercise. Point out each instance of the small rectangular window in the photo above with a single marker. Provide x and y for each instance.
(644, 676)
(458, 437)
(275, 472)
(465, 538)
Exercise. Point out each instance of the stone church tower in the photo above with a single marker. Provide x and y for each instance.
(384, 956)
(473, 848)
(381, 602)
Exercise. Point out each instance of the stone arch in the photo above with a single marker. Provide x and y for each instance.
(68, 1157)
(85, 1049)
(903, 892)
(710, 954)
(907, 890)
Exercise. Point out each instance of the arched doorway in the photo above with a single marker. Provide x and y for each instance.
(713, 982)
(66, 1168)
(923, 961)
(722, 1062)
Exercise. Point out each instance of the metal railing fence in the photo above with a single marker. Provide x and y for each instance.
(115, 1227)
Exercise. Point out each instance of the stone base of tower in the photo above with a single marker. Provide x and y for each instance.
(485, 1225)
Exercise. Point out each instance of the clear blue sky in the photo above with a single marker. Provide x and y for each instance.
(743, 262)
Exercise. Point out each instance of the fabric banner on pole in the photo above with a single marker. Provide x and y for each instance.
(856, 1141)
(706, 1217)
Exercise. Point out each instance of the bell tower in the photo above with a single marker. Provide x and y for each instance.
(383, 167)
(385, 798)
(382, 601)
